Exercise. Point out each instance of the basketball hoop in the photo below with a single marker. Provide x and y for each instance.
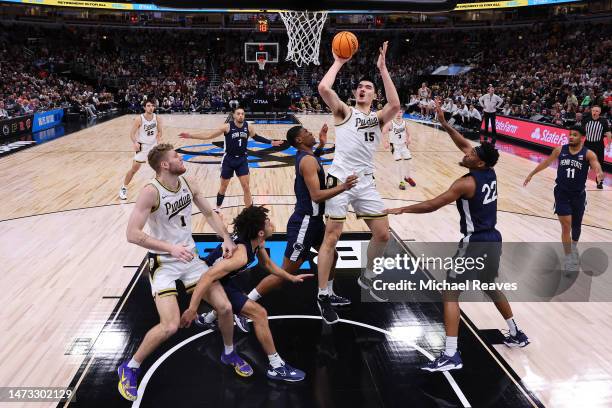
(304, 29)
(261, 61)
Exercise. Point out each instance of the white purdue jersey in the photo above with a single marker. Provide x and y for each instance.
(356, 141)
(147, 133)
(398, 132)
(171, 220)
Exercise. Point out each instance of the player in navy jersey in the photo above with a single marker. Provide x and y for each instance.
(574, 160)
(235, 158)
(306, 228)
(251, 229)
(476, 196)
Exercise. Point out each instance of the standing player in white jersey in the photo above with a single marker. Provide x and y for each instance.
(146, 132)
(358, 134)
(399, 139)
(166, 205)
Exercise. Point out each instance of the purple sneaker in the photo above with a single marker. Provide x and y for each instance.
(128, 381)
(241, 367)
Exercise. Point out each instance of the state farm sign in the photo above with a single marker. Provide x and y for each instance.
(532, 132)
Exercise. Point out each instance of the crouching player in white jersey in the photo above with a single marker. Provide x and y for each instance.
(399, 138)
(146, 132)
(358, 134)
(166, 205)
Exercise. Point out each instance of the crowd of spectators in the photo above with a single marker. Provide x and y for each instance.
(550, 71)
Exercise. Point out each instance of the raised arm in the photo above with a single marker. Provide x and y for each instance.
(339, 109)
(214, 273)
(460, 141)
(148, 201)
(212, 217)
(544, 164)
(464, 187)
(309, 170)
(595, 165)
(137, 123)
(206, 135)
(393, 104)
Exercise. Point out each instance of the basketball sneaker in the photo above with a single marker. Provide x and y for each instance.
(241, 367)
(600, 185)
(128, 381)
(200, 321)
(327, 311)
(368, 285)
(402, 185)
(338, 300)
(242, 323)
(410, 181)
(444, 363)
(123, 193)
(285, 373)
(518, 340)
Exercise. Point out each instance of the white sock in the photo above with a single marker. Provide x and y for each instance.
(133, 363)
(323, 292)
(451, 346)
(512, 326)
(228, 349)
(400, 170)
(408, 169)
(275, 360)
(254, 295)
(330, 286)
(210, 317)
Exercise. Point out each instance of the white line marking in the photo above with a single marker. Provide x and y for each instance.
(145, 380)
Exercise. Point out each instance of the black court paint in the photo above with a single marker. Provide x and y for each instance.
(346, 365)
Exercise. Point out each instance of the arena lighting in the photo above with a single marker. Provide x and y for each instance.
(382, 5)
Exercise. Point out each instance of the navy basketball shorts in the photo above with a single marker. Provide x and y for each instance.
(569, 203)
(485, 249)
(303, 232)
(236, 296)
(234, 164)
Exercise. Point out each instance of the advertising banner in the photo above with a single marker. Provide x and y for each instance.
(48, 119)
(20, 125)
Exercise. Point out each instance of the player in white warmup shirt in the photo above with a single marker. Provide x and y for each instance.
(399, 139)
(358, 134)
(146, 133)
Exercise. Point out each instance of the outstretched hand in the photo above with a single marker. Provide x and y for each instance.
(381, 63)
(300, 278)
(393, 211)
(184, 135)
(277, 142)
(323, 134)
(187, 317)
(341, 60)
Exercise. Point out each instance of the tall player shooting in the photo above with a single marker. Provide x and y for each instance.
(146, 132)
(574, 160)
(476, 196)
(358, 133)
(235, 159)
(166, 205)
(399, 139)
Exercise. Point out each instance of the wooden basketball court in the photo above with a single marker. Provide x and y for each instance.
(66, 261)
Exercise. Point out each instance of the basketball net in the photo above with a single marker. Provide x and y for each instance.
(261, 61)
(304, 29)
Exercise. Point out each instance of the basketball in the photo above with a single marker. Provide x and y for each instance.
(345, 44)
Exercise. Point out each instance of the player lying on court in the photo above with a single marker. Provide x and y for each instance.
(305, 228)
(397, 136)
(573, 162)
(235, 158)
(166, 205)
(358, 134)
(476, 196)
(251, 229)
(146, 132)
